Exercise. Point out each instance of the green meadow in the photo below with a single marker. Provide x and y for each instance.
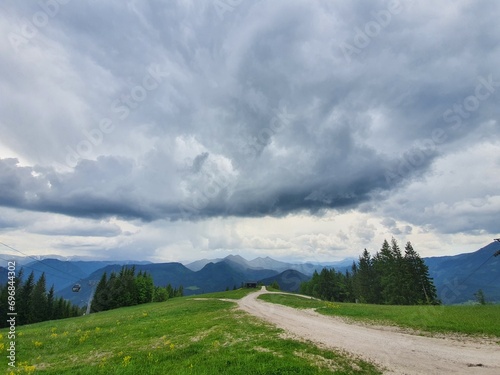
(180, 336)
(479, 320)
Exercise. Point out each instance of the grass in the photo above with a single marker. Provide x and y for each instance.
(480, 320)
(231, 294)
(180, 336)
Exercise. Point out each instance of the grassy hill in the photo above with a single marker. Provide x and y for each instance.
(181, 336)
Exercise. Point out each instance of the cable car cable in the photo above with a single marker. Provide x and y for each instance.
(46, 264)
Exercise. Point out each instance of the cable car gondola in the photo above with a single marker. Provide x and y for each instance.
(76, 287)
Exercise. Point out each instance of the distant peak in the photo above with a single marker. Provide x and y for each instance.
(231, 256)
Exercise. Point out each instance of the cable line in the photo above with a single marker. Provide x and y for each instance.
(46, 264)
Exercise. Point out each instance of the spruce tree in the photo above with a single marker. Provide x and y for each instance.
(170, 291)
(100, 301)
(386, 263)
(50, 303)
(38, 301)
(398, 275)
(420, 285)
(24, 298)
(367, 282)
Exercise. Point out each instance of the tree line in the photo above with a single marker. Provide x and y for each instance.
(33, 303)
(128, 289)
(388, 277)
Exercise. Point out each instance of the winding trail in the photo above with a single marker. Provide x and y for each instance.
(396, 352)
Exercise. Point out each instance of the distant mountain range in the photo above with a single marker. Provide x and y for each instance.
(269, 263)
(457, 277)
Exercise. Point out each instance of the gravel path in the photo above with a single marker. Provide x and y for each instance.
(397, 352)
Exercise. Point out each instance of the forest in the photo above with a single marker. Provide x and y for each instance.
(33, 303)
(128, 289)
(389, 277)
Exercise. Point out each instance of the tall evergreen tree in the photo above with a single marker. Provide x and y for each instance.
(398, 274)
(419, 285)
(23, 299)
(59, 308)
(387, 263)
(50, 303)
(38, 301)
(367, 282)
(170, 291)
(100, 301)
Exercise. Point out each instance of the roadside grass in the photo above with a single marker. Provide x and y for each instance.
(477, 320)
(180, 336)
(230, 294)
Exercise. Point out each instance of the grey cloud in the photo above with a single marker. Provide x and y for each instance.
(350, 133)
(88, 230)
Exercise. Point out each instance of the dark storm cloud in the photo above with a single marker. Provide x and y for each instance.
(254, 113)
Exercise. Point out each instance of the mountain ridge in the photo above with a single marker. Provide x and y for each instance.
(456, 277)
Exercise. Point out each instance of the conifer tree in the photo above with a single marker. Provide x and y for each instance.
(419, 285)
(100, 301)
(170, 291)
(50, 303)
(24, 298)
(367, 282)
(59, 308)
(38, 309)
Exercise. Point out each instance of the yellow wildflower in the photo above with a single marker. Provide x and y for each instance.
(126, 360)
(29, 369)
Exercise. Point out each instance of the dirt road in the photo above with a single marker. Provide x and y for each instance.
(397, 352)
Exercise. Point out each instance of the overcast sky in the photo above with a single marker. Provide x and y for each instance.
(300, 130)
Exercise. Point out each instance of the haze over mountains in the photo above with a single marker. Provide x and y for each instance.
(457, 278)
